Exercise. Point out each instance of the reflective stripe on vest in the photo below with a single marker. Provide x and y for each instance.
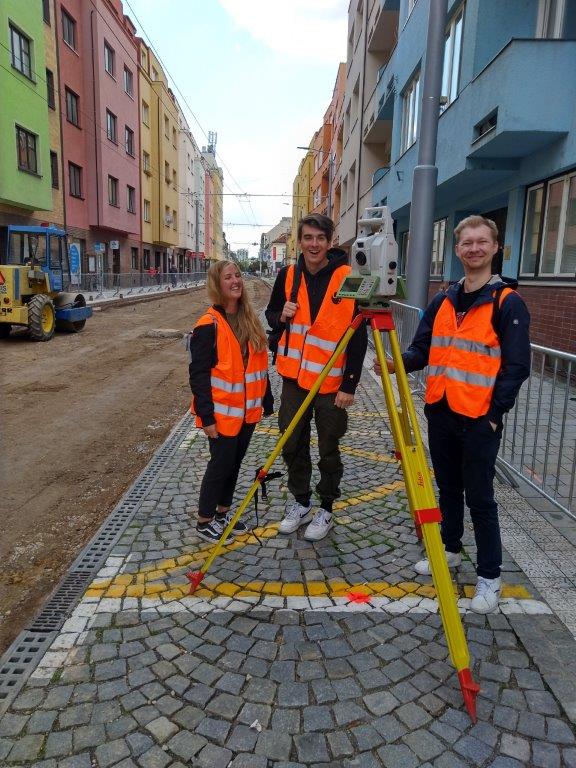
(456, 374)
(308, 365)
(466, 345)
(254, 376)
(228, 410)
(322, 343)
(226, 385)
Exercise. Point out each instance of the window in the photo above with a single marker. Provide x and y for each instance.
(174, 179)
(21, 52)
(174, 137)
(50, 94)
(549, 244)
(131, 199)
(438, 243)
(72, 107)
(410, 113)
(113, 191)
(54, 170)
(46, 10)
(128, 81)
(146, 258)
(174, 220)
(167, 172)
(452, 54)
(146, 163)
(75, 180)
(145, 113)
(27, 154)
(486, 125)
(550, 21)
(154, 73)
(109, 59)
(146, 211)
(68, 29)
(166, 127)
(129, 140)
(111, 124)
(134, 254)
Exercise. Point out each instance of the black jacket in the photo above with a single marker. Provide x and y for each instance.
(512, 322)
(202, 359)
(316, 286)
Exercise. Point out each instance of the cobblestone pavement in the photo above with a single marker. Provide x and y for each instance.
(300, 654)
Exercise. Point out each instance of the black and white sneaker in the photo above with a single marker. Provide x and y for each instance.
(210, 531)
(239, 528)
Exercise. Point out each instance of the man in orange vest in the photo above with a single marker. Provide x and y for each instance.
(303, 308)
(474, 339)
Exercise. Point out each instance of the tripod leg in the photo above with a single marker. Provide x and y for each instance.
(425, 511)
(196, 577)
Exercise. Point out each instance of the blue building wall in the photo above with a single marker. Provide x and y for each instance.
(504, 68)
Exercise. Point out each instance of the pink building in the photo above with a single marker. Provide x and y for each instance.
(98, 58)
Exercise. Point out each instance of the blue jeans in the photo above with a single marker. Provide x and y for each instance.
(463, 452)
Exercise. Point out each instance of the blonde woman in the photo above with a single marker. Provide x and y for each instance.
(230, 391)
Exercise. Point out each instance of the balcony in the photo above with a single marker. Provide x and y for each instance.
(380, 184)
(379, 115)
(383, 34)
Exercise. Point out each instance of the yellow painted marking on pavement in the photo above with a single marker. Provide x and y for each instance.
(372, 455)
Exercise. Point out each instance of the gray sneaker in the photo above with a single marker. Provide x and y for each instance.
(423, 566)
(486, 596)
(296, 515)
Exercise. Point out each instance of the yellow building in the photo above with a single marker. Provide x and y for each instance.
(301, 202)
(214, 205)
(159, 163)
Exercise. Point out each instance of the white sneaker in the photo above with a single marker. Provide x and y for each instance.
(319, 527)
(487, 594)
(296, 515)
(423, 566)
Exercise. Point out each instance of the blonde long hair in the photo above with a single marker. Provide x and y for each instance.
(249, 327)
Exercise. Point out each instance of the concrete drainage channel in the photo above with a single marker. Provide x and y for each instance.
(22, 657)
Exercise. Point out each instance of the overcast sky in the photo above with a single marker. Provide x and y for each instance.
(261, 74)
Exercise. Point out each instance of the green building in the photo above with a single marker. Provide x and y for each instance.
(25, 170)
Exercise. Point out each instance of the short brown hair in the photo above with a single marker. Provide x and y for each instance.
(318, 221)
(473, 222)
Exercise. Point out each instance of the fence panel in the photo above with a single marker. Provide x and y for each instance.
(539, 437)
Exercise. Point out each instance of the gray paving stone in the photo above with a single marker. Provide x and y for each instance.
(26, 749)
(545, 755)
(225, 705)
(249, 761)
(473, 749)
(311, 748)
(214, 730)
(293, 694)
(121, 727)
(260, 691)
(112, 752)
(340, 744)
(242, 739)
(77, 761)
(42, 721)
(516, 747)
(274, 745)
(286, 721)
(186, 745)
(12, 725)
(367, 737)
(139, 743)
(381, 703)
(424, 744)
(162, 729)
(317, 718)
(398, 756)
(413, 715)
(154, 758)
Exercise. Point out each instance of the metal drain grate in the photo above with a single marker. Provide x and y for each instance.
(59, 606)
(19, 661)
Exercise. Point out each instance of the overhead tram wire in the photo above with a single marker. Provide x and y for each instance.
(184, 99)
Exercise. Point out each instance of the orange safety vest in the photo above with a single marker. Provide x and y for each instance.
(237, 393)
(310, 345)
(464, 361)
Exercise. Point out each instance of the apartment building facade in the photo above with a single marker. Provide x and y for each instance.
(214, 217)
(25, 161)
(506, 142)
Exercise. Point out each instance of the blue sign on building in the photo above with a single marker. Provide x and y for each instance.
(74, 253)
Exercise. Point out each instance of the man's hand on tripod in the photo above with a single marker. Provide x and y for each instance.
(289, 311)
(389, 365)
(343, 400)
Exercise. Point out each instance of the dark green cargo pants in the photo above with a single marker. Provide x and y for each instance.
(331, 424)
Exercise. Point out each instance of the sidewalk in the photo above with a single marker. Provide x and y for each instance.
(293, 653)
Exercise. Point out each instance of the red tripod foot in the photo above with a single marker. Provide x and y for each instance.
(470, 690)
(194, 577)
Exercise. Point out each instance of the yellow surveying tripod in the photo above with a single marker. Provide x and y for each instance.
(419, 489)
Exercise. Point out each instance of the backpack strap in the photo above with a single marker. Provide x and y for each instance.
(293, 297)
(498, 298)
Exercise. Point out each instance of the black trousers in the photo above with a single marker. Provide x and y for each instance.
(463, 452)
(219, 482)
(331, 424)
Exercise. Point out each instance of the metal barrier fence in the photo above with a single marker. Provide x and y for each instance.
(136, 283)
(539, 437)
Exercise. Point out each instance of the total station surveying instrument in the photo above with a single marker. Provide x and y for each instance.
(372, 283)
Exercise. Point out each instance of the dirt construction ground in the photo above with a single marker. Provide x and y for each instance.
(81, 416)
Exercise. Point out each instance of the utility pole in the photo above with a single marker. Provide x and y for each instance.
(426, 173)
